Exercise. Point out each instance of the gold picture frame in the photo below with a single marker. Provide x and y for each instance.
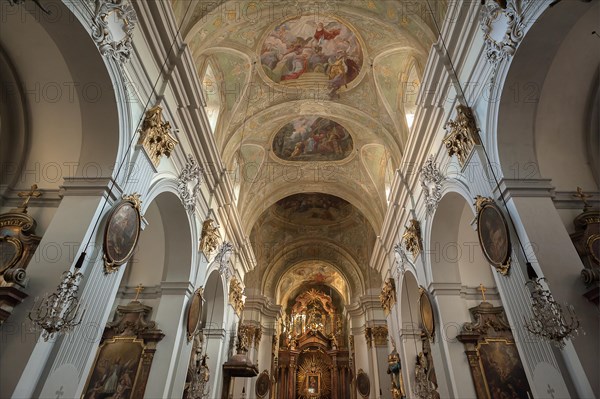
(426, 313)
(493, 234)
(122, 232)
(116, 370)
(501, 369)
(313, 384)
(194, 314)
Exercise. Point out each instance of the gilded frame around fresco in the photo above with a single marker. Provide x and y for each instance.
(101, 355)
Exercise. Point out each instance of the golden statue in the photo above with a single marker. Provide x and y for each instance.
(209, 241)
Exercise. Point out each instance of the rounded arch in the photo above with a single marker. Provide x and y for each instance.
(213, 314)
(73, 99)
(454, 252)
(540, 118)
(165, 251)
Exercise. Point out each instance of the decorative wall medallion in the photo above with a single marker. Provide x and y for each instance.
(363, 384)
(222, 259)
(493, 234)
(412, 238)
(194, 314)
(431, 182)
(312, 138)
(427, 316)
(388, 295)
(112, 28)
(209, 240)
(463, 134)
(156, 137)
(263, 384)
(236, 296)
(188, 183)
(122, 232)
(502, 25)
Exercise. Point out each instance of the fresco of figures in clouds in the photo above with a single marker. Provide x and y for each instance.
(315, 209)
(312, 138)
(306, 48)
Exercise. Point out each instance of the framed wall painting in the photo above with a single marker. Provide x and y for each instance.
(122, 232)
(194, 314)
(116, 370)
(493, 234)
(363, 384)
(263, 384)
(426, 313)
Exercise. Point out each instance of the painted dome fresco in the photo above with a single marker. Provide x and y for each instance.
(312, 138)
(311, 50)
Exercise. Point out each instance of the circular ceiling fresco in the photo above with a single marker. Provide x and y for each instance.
(312, 138)
(309, 50)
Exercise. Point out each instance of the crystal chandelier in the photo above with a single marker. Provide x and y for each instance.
(549, 320)
(59, 312)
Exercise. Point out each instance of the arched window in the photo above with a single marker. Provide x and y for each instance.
(410, 90)
(210, 84)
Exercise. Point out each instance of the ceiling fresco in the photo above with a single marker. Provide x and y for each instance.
(314, 120)
(311, 274)
(314, 209)
(312, 138)
(310, 50)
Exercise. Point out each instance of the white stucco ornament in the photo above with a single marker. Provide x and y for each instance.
(112, 28)
(502, 25)
(222, 259)
(431, 182)
(188, 183)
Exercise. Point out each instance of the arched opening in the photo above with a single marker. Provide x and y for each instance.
(410, 331)
(547, 135)
(162, 264)
(213, 329)
(458, 269)
(62, 127)
(212, 92)
(410, 85)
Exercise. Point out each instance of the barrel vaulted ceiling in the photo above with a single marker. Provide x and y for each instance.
(287, 126)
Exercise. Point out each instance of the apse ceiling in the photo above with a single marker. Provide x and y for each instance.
(312, 97)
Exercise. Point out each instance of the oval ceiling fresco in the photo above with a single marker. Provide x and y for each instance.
(307, 49)
(312, 138)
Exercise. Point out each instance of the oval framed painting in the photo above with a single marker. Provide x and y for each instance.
(427, 316)
(122, 232)
(363, 384)
(263, 384)
(194, 314)
(493, 234)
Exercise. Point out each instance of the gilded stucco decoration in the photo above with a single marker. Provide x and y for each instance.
(376, 335)
(210, 238)
(462, 134)
(156, 137)
(388, 295)
(412, 238)
(236, 296)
